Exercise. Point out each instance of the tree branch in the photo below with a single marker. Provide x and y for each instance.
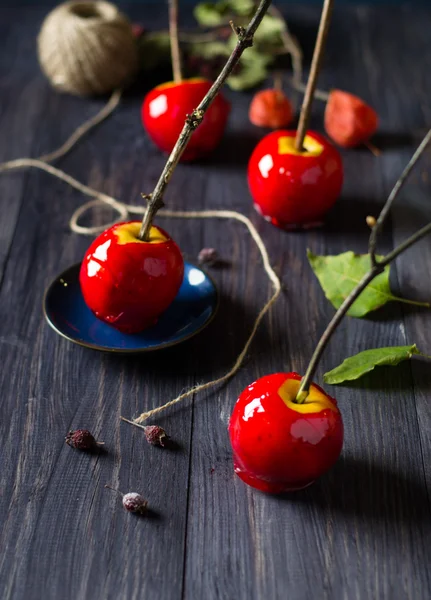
(394, 193)
(245, 40)
(377, 267)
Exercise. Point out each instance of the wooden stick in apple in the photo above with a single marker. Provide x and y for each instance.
(175, 46)
(377, 267)
(192, 122)
(304, 117)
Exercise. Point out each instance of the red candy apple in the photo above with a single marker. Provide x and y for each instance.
(278, 444)
(164, 111)
(294, 189)
(128, 283)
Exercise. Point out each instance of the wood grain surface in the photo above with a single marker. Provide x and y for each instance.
(364, 530)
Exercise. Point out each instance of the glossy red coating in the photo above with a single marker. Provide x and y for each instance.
(349, 121)
(277, 448)
(294, 190)
(164, 111)
(128, 285)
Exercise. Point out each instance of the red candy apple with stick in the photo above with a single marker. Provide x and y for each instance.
(128, 282)
(296, 176)
(132, 271)
(292, 188)
(278, 444)
(166, 106)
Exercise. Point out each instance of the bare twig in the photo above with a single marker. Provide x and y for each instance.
(318, 94)
(397, 187)
(245, 40)
(304, 117)
(175, 46)
(377, 267)
(278, 81)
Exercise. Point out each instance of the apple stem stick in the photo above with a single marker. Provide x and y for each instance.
(278, 81)
(245, 40)
(322, 34)
(175, 46)
(377, 267)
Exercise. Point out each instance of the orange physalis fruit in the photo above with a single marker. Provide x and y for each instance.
(270, 108)
(349, 121)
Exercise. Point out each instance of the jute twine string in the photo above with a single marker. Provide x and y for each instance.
(124, 210)
(83, 129)
(87, 47)
(276, 284)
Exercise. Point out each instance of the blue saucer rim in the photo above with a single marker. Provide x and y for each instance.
(162, 346)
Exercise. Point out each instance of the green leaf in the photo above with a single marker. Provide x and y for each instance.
(242, 7)
(250, 77)
(270, 28)
(251, 55)
(209, 50)
(211, 14)
(154, 49)
(253, 70)
(364, 362)
(339, 275)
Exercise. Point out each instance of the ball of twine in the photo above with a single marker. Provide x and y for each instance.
(87, 48)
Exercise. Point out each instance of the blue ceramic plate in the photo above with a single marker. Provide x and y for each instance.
(193, 308)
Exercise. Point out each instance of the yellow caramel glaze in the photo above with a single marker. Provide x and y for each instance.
(169, 84)
(316, 401)
(128, 234)
(286, 145)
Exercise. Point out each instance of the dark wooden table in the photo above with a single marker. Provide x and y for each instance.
(362, 531)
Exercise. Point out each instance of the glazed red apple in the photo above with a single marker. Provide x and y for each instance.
(128, 283)
(278, 444)
(294, 189)
(164, 111)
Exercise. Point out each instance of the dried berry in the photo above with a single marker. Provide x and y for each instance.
(208, 256)
(270, 108)
(132, 501)
(135, 503)
(155, 435)
(82, 439)
(349, 121)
